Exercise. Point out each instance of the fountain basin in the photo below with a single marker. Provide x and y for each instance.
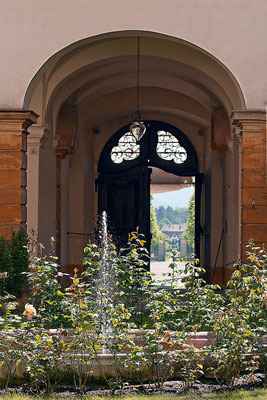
(104, 365)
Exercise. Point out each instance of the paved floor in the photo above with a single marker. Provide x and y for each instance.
(161, 267)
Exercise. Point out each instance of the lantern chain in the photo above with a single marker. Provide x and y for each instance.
(138, 74)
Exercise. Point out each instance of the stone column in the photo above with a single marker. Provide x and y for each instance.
(34, 143)
(13, 168)
(252, 126)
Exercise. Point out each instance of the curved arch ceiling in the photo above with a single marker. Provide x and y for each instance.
(105, 67)
(122, 102)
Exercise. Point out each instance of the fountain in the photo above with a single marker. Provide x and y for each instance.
(105, 282)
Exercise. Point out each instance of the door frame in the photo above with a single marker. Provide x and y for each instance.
(148, 157)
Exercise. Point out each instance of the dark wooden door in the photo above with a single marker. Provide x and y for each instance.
(124, 176)
(126, 199)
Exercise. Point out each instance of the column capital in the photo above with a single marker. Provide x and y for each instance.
(63, 151)
(220, 129)
(236, 131)
(37, 135)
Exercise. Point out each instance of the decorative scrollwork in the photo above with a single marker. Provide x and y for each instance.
(127, 149)
(169, 148)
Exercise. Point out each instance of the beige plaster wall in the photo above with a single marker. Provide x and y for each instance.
(64, 237)
(31, 31)
(47, 193)
(217, 207)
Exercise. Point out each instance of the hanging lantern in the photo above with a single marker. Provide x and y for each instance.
(137, 128)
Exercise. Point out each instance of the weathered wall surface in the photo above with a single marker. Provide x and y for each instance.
(253, 178)
(31, 31)
(13, 165)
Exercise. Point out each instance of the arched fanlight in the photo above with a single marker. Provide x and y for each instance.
(137, 128)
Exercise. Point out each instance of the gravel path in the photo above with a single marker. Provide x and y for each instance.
(161, 267)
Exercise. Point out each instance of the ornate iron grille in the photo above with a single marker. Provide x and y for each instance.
(127, 149)
(169, 148)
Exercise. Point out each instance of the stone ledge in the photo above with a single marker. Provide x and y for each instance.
(18, 119)
(238, 116)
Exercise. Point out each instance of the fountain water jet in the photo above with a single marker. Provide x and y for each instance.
(105, 283)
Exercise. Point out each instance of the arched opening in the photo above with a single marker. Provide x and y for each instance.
(86, 92)
(126, 167)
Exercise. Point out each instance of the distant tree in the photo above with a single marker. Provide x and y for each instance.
(160, 213)
(157, 235)
(169, 215)
(189, 232)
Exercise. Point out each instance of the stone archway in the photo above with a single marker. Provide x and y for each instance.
(86, 92)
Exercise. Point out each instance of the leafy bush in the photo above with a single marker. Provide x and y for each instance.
(14, 260)
(115, 307)
(242, 320)
(46, 294)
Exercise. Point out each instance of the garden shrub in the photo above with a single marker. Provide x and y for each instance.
(14, 260)
(122, 311)
(10, 337)
(242, 320)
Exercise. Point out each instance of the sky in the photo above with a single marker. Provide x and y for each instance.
(178, 198)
